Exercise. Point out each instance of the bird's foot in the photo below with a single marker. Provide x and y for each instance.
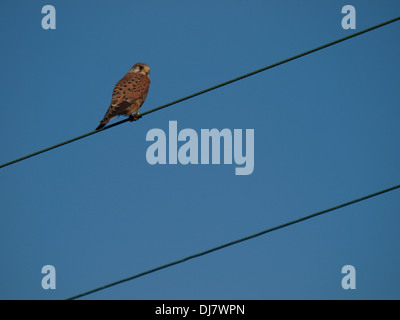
(134, 117)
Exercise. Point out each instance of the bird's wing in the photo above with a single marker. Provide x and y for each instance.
(131, 87)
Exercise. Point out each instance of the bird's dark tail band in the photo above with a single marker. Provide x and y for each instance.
(101, 126)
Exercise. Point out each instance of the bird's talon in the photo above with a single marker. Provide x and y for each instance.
(134, 117)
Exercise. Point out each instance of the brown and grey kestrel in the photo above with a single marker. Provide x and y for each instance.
(129, 94)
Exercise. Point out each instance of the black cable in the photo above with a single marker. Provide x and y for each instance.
(235, 242)
(206, 90)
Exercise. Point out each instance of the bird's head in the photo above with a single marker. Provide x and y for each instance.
(141, 68)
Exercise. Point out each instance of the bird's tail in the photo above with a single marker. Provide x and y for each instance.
(110, 114)
(101, 125)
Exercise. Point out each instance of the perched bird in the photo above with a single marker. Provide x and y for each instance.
(129, 94)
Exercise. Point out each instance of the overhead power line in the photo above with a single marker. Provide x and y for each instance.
(197, 255)
(207, 90)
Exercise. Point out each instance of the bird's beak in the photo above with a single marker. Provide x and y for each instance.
(147, 70)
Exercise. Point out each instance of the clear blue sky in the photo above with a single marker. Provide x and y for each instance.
(326, 132)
